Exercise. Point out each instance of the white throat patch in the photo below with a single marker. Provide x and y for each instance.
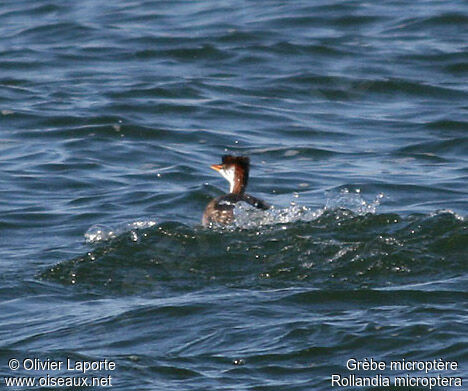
(229, 173)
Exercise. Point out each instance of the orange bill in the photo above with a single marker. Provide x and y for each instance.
(216, 167)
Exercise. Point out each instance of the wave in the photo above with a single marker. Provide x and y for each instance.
(343, 245)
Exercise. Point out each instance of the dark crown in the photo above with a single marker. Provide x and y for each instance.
(242, 161)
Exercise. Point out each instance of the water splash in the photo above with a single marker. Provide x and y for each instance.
(246, 216)
(102, 233)
(447, 211)
(346, 201)
(352, 200)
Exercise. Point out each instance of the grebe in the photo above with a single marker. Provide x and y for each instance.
(221, 209)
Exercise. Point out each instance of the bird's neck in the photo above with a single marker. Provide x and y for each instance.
(237, 187)
(239, 182)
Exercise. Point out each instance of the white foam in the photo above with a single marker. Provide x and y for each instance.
(102, 233)
(354, 201)
(247, 217)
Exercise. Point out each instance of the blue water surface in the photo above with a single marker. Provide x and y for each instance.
(354, 115)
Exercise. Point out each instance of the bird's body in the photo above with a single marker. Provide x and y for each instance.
(220, 210)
